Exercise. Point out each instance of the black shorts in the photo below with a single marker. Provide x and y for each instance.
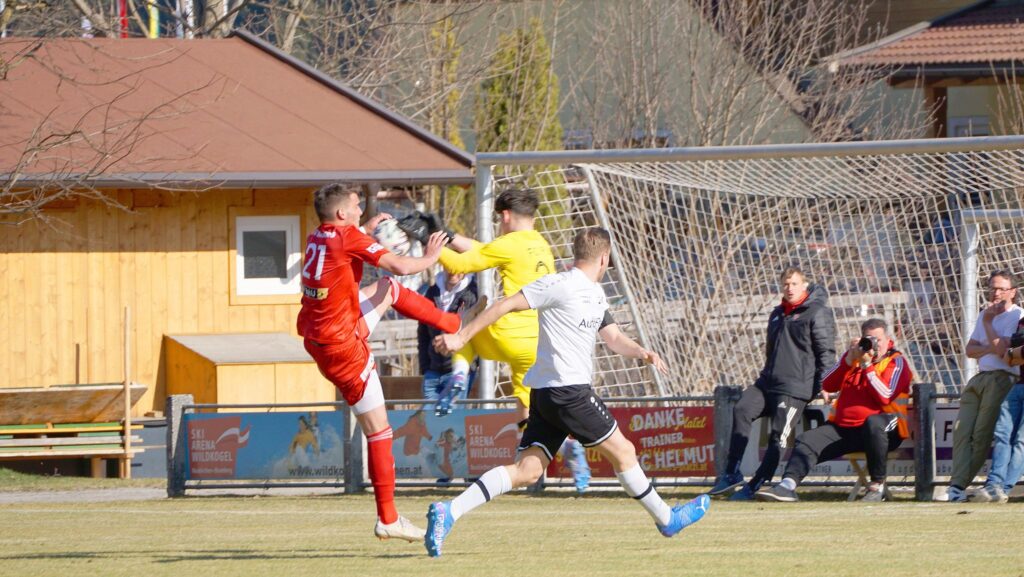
(557, 412)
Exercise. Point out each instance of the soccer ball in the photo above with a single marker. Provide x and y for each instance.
(391, 237)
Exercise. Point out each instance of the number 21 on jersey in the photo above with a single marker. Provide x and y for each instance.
(314, 253)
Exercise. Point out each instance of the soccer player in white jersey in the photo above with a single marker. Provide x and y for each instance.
(572, 311)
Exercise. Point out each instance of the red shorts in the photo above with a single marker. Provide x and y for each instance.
(346, 365)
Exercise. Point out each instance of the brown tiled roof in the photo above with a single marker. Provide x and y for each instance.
(234, 111)
(983, 33)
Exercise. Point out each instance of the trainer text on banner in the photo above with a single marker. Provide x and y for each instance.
(669, 441)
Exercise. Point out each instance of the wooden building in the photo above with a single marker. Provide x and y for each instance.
(192, 164)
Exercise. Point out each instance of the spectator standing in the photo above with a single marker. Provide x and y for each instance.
(800, 348)
(982, 397)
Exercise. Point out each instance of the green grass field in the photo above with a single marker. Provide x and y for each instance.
(555, 534)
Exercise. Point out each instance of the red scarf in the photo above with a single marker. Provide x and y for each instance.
(788, 308)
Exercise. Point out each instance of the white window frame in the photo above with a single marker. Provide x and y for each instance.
(967, 126)
(289, 285)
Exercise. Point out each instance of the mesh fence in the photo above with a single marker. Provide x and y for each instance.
(700, 245)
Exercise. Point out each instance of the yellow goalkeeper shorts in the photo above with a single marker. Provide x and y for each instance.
(516, 350)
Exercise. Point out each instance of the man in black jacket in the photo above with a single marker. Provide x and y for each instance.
(800, 348)
(454, 293)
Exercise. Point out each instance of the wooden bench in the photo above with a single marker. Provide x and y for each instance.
(60, 422)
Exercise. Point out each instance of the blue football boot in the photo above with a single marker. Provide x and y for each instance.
(682, 516)
(439, 524)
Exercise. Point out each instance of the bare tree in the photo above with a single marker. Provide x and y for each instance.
(708, 72)
(1009, 111)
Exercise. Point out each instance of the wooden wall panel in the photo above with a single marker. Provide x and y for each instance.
(167, 259)
(171, 272)
(126, 257)
(96, 338)
(113, 303)
(6, 301)
(18, 327)
(219, 236)
(189, 262)
(48, 294)
(31, 278)
(144, 326)
(198, 375)
(301, 382)
(205, 259)
(65, 307)
(161, 323)
(80, 287)
(246, 384)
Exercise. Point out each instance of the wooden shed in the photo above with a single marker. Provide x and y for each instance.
(240, 367)
(187, 174)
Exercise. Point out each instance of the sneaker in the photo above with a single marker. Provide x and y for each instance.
(580, 467)
(982, 495)
(744, 494)
(778, 493)
(685, 515)
(1000, 494)
(452, 385)
(874, 496)
(400, 529)
(726, 482)
(955, 495)
(988, 494)
(439, 524)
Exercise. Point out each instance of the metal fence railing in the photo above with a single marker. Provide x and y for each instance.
(187, 420)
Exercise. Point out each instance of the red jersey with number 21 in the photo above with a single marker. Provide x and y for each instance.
(331, 270)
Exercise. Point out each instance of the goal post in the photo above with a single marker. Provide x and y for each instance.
(894, 229)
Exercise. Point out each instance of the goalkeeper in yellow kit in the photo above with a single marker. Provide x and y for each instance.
(521, 256)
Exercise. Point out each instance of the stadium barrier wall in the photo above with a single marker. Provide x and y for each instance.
(181, 409)
(258, 446)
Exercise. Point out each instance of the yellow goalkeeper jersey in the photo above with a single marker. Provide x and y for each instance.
(521, 257)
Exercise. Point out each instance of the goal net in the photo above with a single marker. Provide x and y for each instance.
(701, 236)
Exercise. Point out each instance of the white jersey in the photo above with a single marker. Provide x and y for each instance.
(1004, 325)
(571, 309)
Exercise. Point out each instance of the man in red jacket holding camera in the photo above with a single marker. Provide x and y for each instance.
(872, 380)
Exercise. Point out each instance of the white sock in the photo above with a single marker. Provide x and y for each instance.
(639, 487)
(491, 484)
(788, 484)
(460, 366)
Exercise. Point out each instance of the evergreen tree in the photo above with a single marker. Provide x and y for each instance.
(455, 203)
(517, 109)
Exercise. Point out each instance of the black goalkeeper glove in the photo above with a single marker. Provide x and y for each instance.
(420, 225)
(415, 226)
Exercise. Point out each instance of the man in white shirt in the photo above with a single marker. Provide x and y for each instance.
(572, 310)
(984, 393)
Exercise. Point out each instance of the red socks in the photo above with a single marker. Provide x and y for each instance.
(382, 474)
(415, 306)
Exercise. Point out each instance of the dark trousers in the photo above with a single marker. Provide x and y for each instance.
(784, 413)
(876, 437)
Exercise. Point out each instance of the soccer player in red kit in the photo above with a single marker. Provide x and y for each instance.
(337, 317)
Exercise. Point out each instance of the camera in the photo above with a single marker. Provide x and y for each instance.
(870, 343)
(1016, 340)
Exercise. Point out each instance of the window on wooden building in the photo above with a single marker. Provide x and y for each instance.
(268, 256)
